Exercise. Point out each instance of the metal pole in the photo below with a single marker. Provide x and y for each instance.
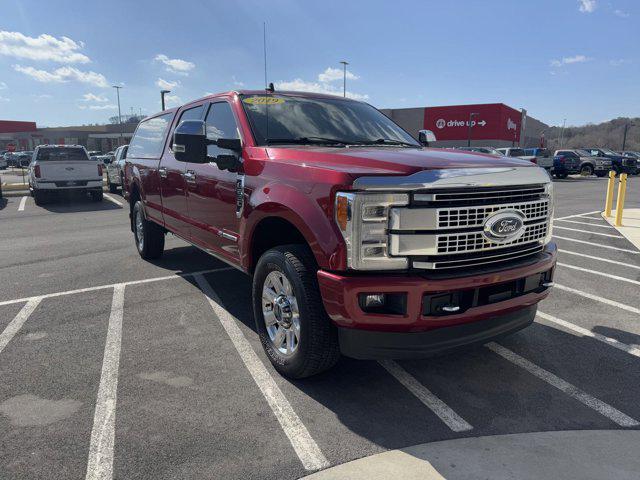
(118, 87)
(344, 78)
(471, 115)
(622, 190)
(624, 138)
(608, 204)
(562, 132)
(162, 94)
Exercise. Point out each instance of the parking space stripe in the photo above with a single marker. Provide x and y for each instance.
(597, 244)
(16, 324)
(595, 272)
(631, 350)
(104, 287)
(586, 223)
(23, 201)
(597, 298)
(100, 463)
(593, 257)
(111, 199)
(454, 421)
(587, 231)
(304, 445)
(577, 215)
(599, 406)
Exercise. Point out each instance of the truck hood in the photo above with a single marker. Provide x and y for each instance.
(359, 161)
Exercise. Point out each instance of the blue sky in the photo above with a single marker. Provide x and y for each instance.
(573, 59)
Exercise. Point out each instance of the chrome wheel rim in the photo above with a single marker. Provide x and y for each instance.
(281, 314)
(139, 229)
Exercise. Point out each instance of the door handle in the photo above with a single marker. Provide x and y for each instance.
(190, 176)
(163, 172)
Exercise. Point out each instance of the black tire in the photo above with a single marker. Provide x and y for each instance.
(112, 188)
(38, 197)
(150, 244)
(586, 170)
(318, 348)
(601, 174)
(561, 175)
(97, 196)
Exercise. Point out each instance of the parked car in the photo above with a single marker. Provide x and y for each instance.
(94, 153)
(23, 159)
(487, 150)
(518, 153)
(544, 158)
(3, 163)
(620, 163)
(636, 156)
(356, 250)
(12, 160)
(115, 169)
(63, 168)
(565, 163)
(587, 164)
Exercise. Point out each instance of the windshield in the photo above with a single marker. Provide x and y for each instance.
(609, 152)
(292, 119)
(583, 153)
(516, 152)
(61, 154)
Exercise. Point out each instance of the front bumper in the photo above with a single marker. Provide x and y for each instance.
(340, 294)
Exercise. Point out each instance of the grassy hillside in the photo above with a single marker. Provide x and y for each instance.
(608, 134)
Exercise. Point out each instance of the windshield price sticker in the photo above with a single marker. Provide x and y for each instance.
(263, 100)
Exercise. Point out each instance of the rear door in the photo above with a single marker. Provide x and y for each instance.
(67, 166)
(172, 182)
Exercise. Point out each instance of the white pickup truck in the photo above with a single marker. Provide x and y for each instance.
(58, 168)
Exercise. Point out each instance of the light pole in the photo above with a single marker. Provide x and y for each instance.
(624, 138)
(344, 78)
(118, 87)
(562, 132)
(471, 115)
(162, 94)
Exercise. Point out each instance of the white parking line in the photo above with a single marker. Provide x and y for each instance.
(597, 298)
(104, 287)
(577, 215)
(599, 406)
(111, 199)
(593, 257)
(304, 445)
(100, 463)
(587, 231)
(597, 244)
(586, 223)
(454, 421)
(16, 324)
(630, 349)
(23, 201)
(595, 272)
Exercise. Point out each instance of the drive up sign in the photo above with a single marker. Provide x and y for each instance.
(493, 121)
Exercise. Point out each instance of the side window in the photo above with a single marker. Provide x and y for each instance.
(149, 138)
(220, 124)
(194, 113)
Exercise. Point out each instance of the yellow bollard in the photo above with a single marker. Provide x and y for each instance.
(622, 190)
(609, 200)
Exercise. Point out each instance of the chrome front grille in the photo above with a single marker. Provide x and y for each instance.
(476, 241)
(461, 217)
(480, 196)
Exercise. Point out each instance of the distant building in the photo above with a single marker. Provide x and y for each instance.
(492, 124)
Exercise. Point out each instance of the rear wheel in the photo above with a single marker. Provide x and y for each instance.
(96, 196)
(295, 331)
(112, 188)
(148, 236)
(38, 197)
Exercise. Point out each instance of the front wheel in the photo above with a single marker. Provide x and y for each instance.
(586, 170)
(148, 236)
(561, 175)
(295, 331)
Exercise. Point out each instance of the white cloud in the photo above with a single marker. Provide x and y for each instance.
(109, 106)
(587, 6)
(44, 47)
(317, 87)
(332, 74)
(172, 101)
(569, 60)
(166, 84)
(175, 65)
(90, 97)
(3, 86)
(618, 62)
(621, 13)
(3, 99)
(236, 82)
(63, 74)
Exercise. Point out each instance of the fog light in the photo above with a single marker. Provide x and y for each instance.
(373, 300)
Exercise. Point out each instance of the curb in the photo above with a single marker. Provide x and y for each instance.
(631, 224)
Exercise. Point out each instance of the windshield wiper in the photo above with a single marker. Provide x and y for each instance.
(386, 141)
(307, 140)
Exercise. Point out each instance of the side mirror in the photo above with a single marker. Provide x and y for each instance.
(425, 137)
(190, 142)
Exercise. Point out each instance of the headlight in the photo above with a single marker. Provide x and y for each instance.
(363, 220)
(549, 193)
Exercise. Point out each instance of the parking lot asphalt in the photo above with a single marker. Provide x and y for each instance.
(113, 367)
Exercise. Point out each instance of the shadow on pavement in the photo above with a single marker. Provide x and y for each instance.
(75, 202)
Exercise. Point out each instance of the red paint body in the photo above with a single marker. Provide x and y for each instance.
(494, 121)
(298, 184)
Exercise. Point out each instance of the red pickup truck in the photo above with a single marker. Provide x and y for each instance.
(358, 239)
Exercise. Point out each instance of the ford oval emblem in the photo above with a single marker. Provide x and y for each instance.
(504, 226)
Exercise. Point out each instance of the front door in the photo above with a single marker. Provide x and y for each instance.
(212, 192)
(173, 184)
